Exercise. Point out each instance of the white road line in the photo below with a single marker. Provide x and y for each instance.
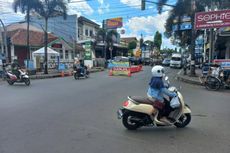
(179, 72)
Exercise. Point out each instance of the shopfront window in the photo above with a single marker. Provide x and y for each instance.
(66, 54)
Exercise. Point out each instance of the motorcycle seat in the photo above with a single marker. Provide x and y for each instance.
(143, 100)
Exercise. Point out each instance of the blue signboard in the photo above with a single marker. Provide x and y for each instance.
(183, 26)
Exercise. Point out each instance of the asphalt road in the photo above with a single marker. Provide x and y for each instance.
(64, 115)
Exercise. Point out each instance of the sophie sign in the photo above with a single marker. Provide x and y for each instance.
(214, 19)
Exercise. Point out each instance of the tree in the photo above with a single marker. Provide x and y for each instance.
(47, 9)
(26, 6)
(132, 45)
(187, 8)
(150, 44)
(157, 40)
(111, 37)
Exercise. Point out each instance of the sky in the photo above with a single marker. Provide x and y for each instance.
(135, 21)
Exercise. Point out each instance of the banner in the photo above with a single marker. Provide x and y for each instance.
(114, 23)
(120, 68)
(88, 51)
(213, 19)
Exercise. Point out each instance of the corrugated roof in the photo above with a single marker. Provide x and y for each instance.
(19, 37)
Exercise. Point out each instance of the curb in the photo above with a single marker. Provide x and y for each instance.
(59, 75)
(190, 81)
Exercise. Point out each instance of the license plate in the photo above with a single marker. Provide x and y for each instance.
(119, 114)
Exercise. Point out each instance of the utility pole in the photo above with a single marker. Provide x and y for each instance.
(192, 47)
(27, 33)
(104, 47)
(5, 40)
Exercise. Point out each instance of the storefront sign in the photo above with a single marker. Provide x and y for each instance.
(88, 51)
(114, 23)
(214, 19)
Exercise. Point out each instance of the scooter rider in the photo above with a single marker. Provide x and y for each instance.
(78, 65)
(157, 89)
(15, 68)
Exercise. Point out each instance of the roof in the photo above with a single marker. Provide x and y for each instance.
(19, 37)
(21, 25)
(83, 19)
(128, 39)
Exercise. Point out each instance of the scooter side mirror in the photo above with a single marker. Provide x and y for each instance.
(166, 78)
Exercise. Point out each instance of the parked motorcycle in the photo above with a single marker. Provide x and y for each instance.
(12, 78)
(217, 79)
(79, 74)
(137, 112)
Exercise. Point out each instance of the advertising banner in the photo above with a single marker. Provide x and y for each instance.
(114, 23)
(213, 19)
(120, 68)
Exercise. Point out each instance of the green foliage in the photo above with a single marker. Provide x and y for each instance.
(157, 40)
(149, 43)
(167, 51)
(183, 7)
(132, 45)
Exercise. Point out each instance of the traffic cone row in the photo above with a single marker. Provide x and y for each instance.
(129, 72)
(62, 74)
(110, 72)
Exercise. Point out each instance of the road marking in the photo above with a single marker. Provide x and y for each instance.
(179, 72)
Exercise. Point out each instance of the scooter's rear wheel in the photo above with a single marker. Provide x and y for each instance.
(128, 121)
(10, 82)
(183, 121)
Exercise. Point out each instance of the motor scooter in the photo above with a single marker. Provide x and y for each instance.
(12, 78)
(139, 111)
(79, 73)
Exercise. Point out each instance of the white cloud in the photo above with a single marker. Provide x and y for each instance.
(80, 8)
(148, 24)
(103, 7)
(101, 1)
(132, 3)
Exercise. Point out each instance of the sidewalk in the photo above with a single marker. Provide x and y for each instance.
(189, 79)
(55, 73)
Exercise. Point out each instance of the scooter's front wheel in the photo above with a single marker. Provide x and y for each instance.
(27, 81)
(129, 122)
(76, 77)
(183, 121)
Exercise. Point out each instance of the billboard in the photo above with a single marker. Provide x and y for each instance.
(213, 19)
(114, 23)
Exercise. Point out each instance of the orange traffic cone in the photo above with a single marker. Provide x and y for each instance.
(110, 72)
(62, 74)
(129, 72)
(70, 73)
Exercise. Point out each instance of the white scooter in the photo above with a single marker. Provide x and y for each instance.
(138, 111)
(12, 78)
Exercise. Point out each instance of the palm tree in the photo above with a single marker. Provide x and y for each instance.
(26, 6)
(111, 35)
(108, 39)
(47, 9)
(101, 35)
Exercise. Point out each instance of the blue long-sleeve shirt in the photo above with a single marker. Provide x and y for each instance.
(157, 89)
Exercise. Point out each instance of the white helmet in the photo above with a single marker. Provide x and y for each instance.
(158, 71)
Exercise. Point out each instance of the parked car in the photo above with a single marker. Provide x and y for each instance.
(157, 61)
(166, 62)
(147, 61)
(135, 60)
